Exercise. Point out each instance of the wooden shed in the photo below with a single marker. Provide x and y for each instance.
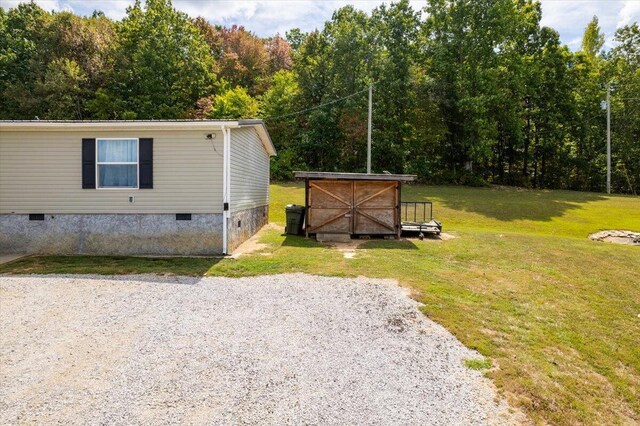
(352, 203)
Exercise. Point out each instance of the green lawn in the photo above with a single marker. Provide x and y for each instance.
(557, 314)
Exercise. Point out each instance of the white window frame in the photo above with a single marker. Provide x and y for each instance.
(99, 163)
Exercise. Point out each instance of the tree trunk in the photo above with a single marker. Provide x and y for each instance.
(511, 159)
(501, 160)
(542, 168)
(535, 159)
(527, 141)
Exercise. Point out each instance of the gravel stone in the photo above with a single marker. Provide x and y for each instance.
(284, 349)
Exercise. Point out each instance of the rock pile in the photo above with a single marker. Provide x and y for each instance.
(617, 236)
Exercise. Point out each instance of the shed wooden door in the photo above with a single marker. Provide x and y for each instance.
(330, 206)
(352, 207)
(375, 207)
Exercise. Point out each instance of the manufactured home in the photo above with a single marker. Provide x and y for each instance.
(132, 187)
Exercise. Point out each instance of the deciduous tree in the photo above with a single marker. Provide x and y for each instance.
(163, 65)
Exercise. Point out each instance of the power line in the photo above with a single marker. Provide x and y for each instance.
(625, 86)
(317, 106)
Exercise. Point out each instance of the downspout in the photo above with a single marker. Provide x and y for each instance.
(226, 188)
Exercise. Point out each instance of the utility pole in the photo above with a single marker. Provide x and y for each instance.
(369, 131)
(609, 138)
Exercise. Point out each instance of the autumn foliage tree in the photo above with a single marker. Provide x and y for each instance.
(472, 92)
(244, 60)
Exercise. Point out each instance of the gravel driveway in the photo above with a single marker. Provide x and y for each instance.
(285, 349)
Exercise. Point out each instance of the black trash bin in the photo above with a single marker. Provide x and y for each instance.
(295, 219)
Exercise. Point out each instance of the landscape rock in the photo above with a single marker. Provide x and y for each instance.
(617, 236)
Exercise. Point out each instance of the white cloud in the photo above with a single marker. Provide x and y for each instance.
(45, 4)
(266, 17)
(115, 9)
(629, 13)
(571, 17)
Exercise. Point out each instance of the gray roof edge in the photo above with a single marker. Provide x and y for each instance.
(174, 120)
(353, 176)
(265, 136)
(250, 121)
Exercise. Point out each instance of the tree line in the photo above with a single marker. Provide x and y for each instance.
(467, 91)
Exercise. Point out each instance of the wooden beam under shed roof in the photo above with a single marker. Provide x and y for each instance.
(353, 176)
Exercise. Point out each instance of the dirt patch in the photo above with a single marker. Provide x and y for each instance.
(347, 249)
(253, 244)
(443, 236)
(6, 258)
(617, 236)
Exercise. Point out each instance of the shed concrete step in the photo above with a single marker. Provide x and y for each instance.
(338, 238)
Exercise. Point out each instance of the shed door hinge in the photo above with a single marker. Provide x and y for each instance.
(226, 207)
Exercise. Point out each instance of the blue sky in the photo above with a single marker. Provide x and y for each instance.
(266, 17)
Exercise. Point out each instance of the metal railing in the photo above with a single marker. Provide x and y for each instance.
(416, 211)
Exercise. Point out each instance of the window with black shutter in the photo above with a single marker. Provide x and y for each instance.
(146, 163)
(88, 163)
(125, 163)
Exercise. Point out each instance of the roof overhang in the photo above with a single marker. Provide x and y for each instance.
(354, 176)
(139, 125)
(261, 128)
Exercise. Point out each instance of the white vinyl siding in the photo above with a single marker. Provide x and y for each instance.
(41, 172)
(249, 170)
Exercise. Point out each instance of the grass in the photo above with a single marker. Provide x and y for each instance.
(110, 265)
(478, 364)
(557, 315)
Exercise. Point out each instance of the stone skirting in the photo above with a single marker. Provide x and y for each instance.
(245, 223)
(113, 234)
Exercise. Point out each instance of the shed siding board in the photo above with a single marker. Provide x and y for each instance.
(249, 170)
(41, 172)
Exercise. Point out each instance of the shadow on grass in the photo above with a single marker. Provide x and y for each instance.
(505, 204)
(110, 265)
(300, 241)
(303, 242)
(388, 245)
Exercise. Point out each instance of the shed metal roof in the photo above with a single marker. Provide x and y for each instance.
(354, 176)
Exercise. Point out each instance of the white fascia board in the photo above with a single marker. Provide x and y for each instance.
(266, 140)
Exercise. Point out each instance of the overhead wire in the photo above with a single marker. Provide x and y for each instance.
(316, 107)
(353, 95)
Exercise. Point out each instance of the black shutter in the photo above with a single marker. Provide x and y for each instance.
(145, 158)
(88, 163)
